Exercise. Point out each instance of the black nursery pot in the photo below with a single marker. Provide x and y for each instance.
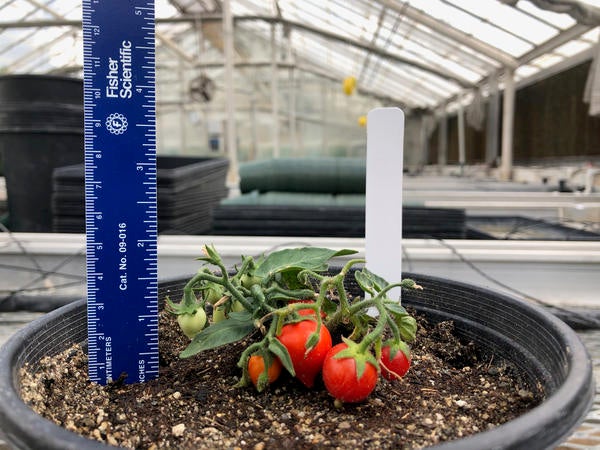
(41, 128)
(541, 346)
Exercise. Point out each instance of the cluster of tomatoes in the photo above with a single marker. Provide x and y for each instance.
(340, 374)
(265, 294)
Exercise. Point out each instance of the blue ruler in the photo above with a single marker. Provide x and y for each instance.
(120, 189)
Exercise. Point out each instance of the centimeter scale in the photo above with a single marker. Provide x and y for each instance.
(120, 189)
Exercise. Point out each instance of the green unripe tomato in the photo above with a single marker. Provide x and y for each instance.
(237, 307)
(213, 295)
(192, 324)
(218, 314)
(248, 281)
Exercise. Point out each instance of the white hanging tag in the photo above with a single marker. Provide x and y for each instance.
(383, 203)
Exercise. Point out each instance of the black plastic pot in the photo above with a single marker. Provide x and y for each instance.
(41, 127)
(543, 349)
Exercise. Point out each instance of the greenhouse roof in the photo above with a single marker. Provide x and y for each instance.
(416, 53)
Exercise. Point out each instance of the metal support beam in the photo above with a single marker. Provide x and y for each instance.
(565, 36)
(580, 11)
(253, 129)
(292, 113)
(233, 177)
(182, 112)
(451, 32)
(324, 114)
(173, 46)
(45, 8)
(508, 113)
(442, 159)
(274, 94)
(492, 123)
(462, 153)
(287, 23)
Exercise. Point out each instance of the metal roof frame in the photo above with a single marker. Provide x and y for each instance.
(418, 54)
(462, 46)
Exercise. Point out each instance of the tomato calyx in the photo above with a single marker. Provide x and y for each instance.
(398, 346)
(360, 356)
(189, 304)
(190, 313)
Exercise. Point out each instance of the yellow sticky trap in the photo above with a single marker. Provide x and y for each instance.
(349, 85)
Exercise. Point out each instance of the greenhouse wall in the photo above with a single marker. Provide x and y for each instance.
(551, 124)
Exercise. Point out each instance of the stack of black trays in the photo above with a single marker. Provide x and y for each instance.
(331, 221)
(188, 190)
(525, 228)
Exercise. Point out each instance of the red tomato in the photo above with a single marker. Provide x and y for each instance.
(395, 368)
(341, 379)
(294, 336)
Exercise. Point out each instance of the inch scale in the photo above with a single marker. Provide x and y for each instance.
(120, 189)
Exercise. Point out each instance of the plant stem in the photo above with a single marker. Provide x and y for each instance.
(371, 337)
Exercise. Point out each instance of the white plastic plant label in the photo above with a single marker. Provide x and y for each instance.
(383, 209)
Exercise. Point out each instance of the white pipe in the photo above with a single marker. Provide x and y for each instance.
(68, 244)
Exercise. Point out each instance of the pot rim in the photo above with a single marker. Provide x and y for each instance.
(566, 407)
(573, 398)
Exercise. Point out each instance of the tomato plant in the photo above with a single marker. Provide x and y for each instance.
(307, 360)
(286, 306)
(394, 365)
(342, 375)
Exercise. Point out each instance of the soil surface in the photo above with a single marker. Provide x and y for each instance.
(451, 391)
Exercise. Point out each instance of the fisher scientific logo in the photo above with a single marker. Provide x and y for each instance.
(116, 123)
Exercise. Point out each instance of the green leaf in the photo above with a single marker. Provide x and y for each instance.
(237, 327)
(278, 349)
(297, 259)
(290, 279)
(329, 306)
(365, 283)
(395, 308)
(407, 326)
(370, 282)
